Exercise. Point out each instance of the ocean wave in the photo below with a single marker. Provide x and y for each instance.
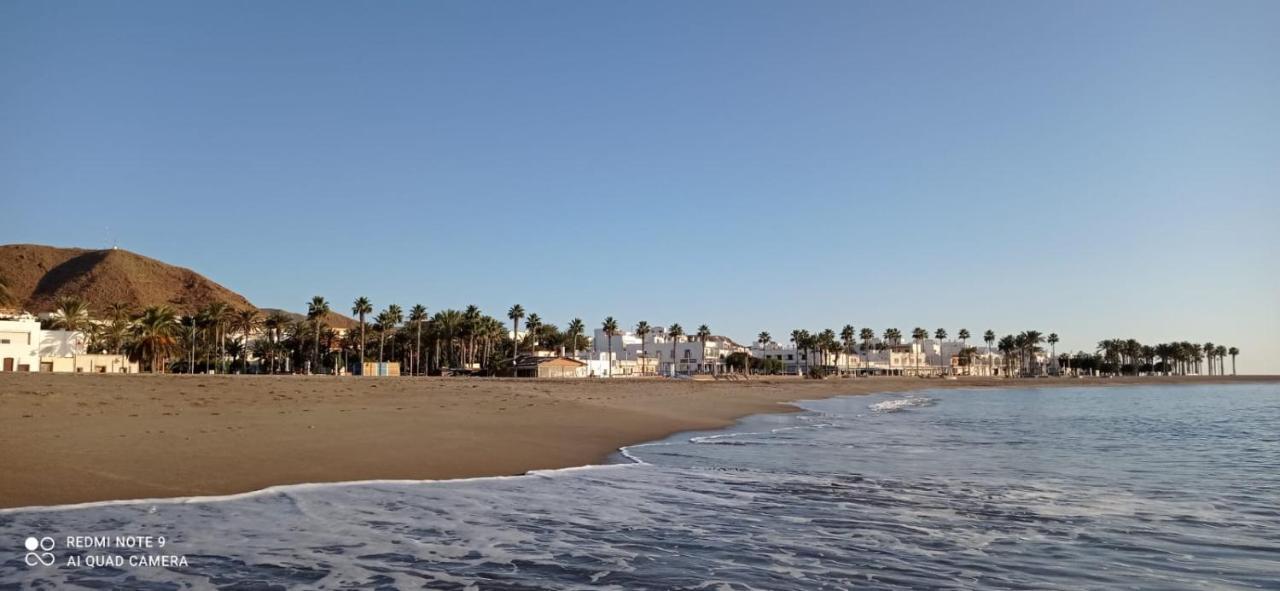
(901, 404)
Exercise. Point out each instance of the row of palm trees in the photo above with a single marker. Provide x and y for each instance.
(220, 338)
(1128, 356)
(826, 344)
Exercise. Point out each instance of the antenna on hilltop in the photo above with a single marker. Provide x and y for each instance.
(115, 244)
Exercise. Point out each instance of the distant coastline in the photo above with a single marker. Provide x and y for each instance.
(85, 438)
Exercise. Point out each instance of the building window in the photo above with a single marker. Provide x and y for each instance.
(4, 341)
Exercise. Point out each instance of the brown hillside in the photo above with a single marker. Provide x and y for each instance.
(38, 275)
(332, 319)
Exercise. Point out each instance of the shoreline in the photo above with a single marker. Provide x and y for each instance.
(90, 439)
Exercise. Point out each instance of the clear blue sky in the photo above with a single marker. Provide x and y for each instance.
(1092, 168)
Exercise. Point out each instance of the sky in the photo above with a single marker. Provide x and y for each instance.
(1097, 169)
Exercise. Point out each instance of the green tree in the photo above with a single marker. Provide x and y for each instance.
(362, 307)
(72, 314)
(154, 336)
(246, 321)
(574, 332)
(918, 335)
(704, 333)
(1233, 352)
(676, 331)
(317, 309)
(515, 314)
(610, 328)
(417, 316)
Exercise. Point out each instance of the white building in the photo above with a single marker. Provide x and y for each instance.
(657, 353)
(24, 346)
(20, 339)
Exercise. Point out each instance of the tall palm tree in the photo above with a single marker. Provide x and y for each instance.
(532, 325)
(642, 330)
(919, 335)
(1233, 352)
(382, 323)
(574, 332)
(154, 335)
(847, 336)
(247, 320)
(275, 325)
(1053, 347)
(941, 334)
(71, 315)
(610, 327)
(360, 308)
(676, 331)
(396, 316)
(1209, 348)
(1031, 340)
(1006, 346)
(417, 315)
(317, 309)
(1221, 354)
(704, 333)
(515, 314)
(990, 338)
(218, 315)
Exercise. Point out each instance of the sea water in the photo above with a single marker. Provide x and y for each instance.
(1151, 487)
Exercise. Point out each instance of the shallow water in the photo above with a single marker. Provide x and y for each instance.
(1172, 487)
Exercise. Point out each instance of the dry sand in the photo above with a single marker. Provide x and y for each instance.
(67, 438)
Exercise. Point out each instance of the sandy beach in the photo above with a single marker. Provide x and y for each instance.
(77, 438)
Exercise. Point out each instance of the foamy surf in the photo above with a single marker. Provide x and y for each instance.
(978, 493)
(901, 404)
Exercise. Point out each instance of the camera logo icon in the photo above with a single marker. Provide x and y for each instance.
(38, 551)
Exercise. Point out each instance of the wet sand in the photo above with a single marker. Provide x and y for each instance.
(67, 438)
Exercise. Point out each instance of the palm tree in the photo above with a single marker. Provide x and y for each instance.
(396, 315)
(941, 334)
(989, 337)
(764, 338)
(1031, 340)
(642, 330)
(153, 335)
(704, 333)
(1209, 348)
(71, 315)
(417, 315)
(218, 315)
(1053, 347)
(515, 314)
(574, 332)
(676, 331)
(893, 336)
(360, 308)
(532, 325)
(610, 328)
(1233, 352)
(1006, 346)
(1221, 353)
(847, 336)
(919, 335)
(247, 320)
(274, 325)
(317, 309)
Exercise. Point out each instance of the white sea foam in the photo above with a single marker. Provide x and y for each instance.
(900, 404)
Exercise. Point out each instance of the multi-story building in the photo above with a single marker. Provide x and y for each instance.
(659, 353)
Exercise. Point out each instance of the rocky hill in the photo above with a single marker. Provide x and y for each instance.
(37, 276)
